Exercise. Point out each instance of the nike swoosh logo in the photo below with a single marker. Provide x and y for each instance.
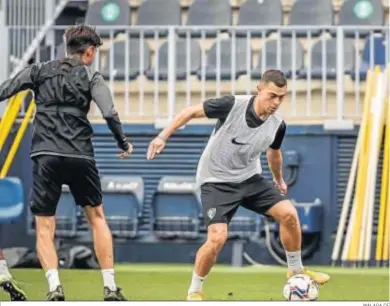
(234, 141)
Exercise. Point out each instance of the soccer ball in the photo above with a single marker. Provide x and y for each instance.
(300, 287)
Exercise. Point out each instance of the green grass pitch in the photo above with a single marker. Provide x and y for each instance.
(170, 282)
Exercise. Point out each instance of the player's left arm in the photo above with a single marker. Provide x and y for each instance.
(275, 158)
(23, 80)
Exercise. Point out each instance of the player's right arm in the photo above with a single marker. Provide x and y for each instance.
(217, 108)
(23, 80)
(101, 94)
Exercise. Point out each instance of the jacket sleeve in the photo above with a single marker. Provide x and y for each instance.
(22, 81)
(101, 94)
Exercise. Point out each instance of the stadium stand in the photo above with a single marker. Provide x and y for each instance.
(137, 53)
(185, 50)
(263, 13)
(226, 53)
(361, 13)
(108, 13)
(158, 13)
(210, 13)
(378, 57)
(278, 54)
(327, 66)
(307, 13)
(123, 203)
(176, 208)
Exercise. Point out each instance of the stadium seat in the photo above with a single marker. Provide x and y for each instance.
(309, 12)
(208, 13)
(330, 59)
(108, 13)
(158, 13)
(123, 198)
(134, 59)
(259, 13)
(285, 52)
(380, 47)
(11, 199)
(361, 13)
(181, 60)
(66, 215)
(241, 64)
(176, 208)
(245, 224)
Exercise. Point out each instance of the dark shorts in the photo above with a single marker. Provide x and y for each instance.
(220, 201)
(51, 172)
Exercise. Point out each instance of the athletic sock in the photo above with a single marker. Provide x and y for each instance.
(109, 279)
(196, 283)
(294, 261)
(53, 279)
(4, 269)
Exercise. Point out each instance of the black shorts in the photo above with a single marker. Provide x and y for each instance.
(51, 172)
(220, 201)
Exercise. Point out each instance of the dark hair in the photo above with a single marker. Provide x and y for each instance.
(79, 37)
(274, 76)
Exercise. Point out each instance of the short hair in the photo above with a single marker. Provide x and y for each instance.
(80, 37)
(274, 76)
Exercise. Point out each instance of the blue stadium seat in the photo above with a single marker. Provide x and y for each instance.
(158, 13)
(241, 56)
(361, 13)
(208, 13)
(245, 224)
(176, 208)
(134, 59)
(380, 56)
(194, 53)
(66, 215)
(330, 59)
(123, 198)
(285, 53)
(309, 12)
(259, 13)
(11, 199)
(108, 13)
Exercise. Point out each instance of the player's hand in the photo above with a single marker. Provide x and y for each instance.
(127, 153)
(281, 185)
(156, 146)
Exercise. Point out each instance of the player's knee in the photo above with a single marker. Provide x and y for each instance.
(45, 226)
(95, 215)
(217, 237)
(289, 217)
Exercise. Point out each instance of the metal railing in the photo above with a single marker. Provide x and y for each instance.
(194, 66)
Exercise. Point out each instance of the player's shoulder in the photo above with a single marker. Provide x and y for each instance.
(242, 98)
(92, 72)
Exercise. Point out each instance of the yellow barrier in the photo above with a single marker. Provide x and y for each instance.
(365, 129)
(10, 115)
(386, 236)
(17, 141)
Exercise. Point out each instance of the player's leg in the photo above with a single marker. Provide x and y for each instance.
(265, 198)
(46, 191)
(86, 189)
(8, 283)
(220, 202)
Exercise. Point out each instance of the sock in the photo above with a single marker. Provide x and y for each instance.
(294, 261)
(4, 269)
(196, 283)
(108, 279)
(53, 279)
